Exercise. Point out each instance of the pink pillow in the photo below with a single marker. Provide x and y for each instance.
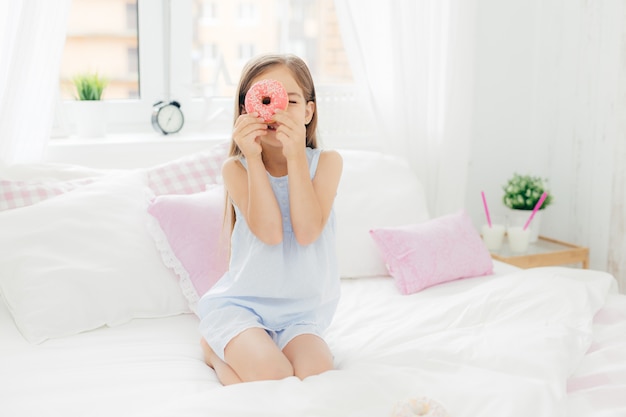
(192, 239)
(189, 174)
(16, 194)
(444, 249)
(186, 175)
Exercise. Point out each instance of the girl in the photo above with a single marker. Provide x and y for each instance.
(265, 317)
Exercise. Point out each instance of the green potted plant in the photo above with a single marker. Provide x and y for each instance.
(89, 86)
(521, 194)
(90, 110)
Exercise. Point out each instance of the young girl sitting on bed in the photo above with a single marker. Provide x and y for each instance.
(265, 317)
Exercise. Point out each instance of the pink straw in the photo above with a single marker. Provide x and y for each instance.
(537, 207)
(486, 209)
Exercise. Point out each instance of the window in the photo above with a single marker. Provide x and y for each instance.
(246, 51)
(210, 54)
(191, 51)
(247, 13)
(131, 15)
(102, 37)
(208, 11)
(132, 55)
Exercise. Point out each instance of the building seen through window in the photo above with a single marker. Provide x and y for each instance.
(103, 37)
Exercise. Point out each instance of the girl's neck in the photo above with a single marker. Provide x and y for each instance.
(274, 161)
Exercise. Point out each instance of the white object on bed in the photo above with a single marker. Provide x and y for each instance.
(487, 346)
(83, 260)
(503, 344)
(376, 190)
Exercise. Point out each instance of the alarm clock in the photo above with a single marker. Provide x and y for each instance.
(167, 117)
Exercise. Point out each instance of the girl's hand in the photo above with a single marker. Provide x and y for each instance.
(247, 132)
(291, 132)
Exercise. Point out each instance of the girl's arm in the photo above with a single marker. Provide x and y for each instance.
(311, 200)
(250, 189)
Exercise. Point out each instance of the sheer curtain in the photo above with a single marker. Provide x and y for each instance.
(415, 59)
(32, 34)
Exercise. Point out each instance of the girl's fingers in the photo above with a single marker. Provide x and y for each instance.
(244, 126)
(283, 118)
(247, 120)
(290, 125)
(253, 130)
(247, 129)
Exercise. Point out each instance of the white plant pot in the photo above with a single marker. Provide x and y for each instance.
(522, 216)
(90, 118)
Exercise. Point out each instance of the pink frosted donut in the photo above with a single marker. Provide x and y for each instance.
(265, 97)
(416, 407)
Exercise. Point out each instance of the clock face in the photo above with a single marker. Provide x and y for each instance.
(170, 118)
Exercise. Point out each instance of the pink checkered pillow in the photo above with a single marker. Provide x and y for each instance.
(16, 194)
(186, 175)
(443, 249)
(189, 174)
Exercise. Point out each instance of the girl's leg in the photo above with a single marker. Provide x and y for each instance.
(253, 356)
(309, 355)
(225, 373)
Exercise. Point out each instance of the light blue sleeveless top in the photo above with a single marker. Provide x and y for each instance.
(285, 283)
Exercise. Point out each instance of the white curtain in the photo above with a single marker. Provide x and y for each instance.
(32, 35)
(415, 58)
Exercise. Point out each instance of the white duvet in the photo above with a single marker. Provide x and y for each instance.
(501, 345)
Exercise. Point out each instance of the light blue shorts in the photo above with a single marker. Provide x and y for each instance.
(221, 325)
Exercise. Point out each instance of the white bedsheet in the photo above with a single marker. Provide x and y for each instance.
(492, 346)
(598, 386)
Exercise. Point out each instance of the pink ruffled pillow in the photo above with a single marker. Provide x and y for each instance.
(192, 238)
(444, 249)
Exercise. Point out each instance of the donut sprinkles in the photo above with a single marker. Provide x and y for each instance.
(265, 97)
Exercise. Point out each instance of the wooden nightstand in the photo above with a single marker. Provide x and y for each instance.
(544, 252)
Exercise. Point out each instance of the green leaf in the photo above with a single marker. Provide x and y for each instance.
(522, 192)
(89, 86)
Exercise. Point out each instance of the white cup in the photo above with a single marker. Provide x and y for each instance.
(493, 236)
(518, 238)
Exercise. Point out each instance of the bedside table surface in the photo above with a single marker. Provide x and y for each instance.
(544, 252)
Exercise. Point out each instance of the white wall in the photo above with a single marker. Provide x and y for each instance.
(548, 103)
(549, 100)
(128, 150)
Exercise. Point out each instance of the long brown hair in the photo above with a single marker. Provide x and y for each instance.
(253, 69)
(262, 63)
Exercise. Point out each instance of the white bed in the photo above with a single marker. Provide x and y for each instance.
(538, 342)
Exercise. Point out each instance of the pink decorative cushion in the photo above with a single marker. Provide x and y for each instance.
(444, 249)
(186, 175)
(16, 194)
(192, 239)
(189, 174)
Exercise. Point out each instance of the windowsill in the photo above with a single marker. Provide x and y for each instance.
(129, 150)
(137, 138)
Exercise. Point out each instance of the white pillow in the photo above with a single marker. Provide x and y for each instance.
(376, 191)
(84, 259)
(49, 172)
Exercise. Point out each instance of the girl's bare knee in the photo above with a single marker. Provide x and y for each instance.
(314, 368)
(255, 357)
(276, 371)
(268, 370)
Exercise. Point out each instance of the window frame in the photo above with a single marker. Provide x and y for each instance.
(164, 36)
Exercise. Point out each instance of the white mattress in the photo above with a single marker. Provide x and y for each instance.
(503, 345)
